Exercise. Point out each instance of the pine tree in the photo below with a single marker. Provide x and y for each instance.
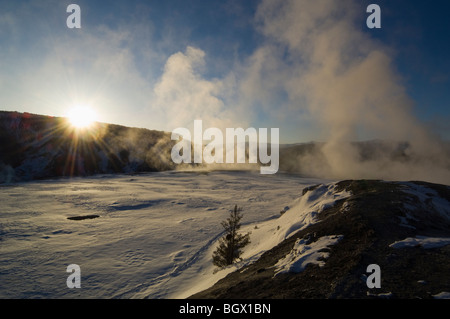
(232, 242)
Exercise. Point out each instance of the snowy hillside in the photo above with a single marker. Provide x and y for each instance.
(266, 234)
(338, 230)
(36, 146)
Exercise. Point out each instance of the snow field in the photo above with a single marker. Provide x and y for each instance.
(154, 237)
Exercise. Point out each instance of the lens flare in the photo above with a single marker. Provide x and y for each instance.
(81, 116)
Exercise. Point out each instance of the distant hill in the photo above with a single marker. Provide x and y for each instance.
(403, 227)
(293, 157)
(36, 146)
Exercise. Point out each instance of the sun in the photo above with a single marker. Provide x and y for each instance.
(81, 116)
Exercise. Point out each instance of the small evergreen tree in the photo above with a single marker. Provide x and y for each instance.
(232, 242)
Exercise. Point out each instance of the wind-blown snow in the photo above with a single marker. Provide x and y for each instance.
(304, 253)
(422, 241)
(154, 236)
(442, 295)
(428, 198)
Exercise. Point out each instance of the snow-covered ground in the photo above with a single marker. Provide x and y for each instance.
(304, 253)
(422, 241)
(428, 198)
(154, 236)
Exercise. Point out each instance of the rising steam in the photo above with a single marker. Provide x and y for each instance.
(346, 81)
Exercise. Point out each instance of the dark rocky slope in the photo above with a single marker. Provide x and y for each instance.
(375, 216)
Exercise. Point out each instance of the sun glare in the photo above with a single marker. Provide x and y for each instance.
(81, 116)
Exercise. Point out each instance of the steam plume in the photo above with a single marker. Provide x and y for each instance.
(347, 82)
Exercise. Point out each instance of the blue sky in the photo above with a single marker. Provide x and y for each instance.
(233, 63)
